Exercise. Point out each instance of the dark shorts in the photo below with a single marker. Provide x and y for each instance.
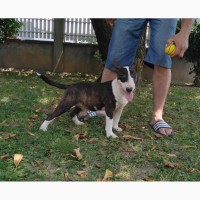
(126, 36)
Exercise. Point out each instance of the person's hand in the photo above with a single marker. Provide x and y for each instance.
(110, 21)
(181, 42)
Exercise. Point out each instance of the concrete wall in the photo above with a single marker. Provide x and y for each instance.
(180, 71)
(38, 55)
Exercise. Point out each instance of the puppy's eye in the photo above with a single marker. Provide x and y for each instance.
(123, 78)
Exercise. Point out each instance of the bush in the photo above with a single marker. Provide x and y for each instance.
(8, 29)
(192, 54)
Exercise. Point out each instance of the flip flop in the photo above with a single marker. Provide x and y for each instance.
(161, 124)
(91, 114)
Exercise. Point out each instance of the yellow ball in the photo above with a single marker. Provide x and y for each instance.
(170, 49)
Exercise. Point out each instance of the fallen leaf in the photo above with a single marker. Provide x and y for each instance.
(125, 126)
(80, 136)
(144, 127)
(130, 137)
(82, 173)
(151, 179)
(153, 147)
(4, 156)
(147, 155)
(38, 110)
(66, 174)
(158, 135)
(32, 134)
(84, 162)
(33, 164)
(4, 123)
(39, 163)
(70, 129)
(172, 165)
(98, 165)
(8, 136)
(34, 116)
(17, 159)
(108, 175)
(187, 147)
(12, 135)
(78, 154)
(92, 140)
(30, 123)
(171, 155)
(194, 170)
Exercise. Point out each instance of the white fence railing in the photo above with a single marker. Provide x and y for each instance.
(77, 30)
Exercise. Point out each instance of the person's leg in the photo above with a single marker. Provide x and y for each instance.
(91, 114)
(161, 30)
(108, 75)
(160, 86)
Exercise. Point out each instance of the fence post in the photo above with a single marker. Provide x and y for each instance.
(59, 27)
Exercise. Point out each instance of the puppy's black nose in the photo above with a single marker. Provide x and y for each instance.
(129, 89)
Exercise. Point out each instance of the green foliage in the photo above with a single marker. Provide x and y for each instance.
(98, 57)
(192, 53)
(8, 29)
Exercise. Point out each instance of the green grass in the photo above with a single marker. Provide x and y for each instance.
(25, 101)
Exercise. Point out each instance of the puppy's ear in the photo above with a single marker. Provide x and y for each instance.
(133, 73)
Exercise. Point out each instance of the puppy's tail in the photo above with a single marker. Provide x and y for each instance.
(50, 82)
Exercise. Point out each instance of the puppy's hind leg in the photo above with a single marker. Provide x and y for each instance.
(45, 124)
(74, 117)
(60, 109)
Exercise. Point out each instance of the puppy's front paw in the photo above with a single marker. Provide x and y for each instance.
(111, 135)
(79, 123)
(43, 128)
(118, 129)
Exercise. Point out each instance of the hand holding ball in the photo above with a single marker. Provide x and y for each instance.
(170, 49)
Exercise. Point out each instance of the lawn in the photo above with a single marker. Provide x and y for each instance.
(82, 153)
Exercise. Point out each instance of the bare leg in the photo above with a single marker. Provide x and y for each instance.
(108, 75)
(161, 84)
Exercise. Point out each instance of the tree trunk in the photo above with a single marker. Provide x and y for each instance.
(103, 33)
(139, 59)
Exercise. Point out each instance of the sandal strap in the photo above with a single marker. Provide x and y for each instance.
(91, 114)
(160, 124)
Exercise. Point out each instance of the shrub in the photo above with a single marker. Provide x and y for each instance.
(192, 54)
(8, 29)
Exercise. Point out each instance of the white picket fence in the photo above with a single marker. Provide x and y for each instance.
(77, 30)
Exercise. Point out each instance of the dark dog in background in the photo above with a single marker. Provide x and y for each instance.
(111, 96)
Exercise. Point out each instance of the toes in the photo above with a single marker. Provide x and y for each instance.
(165, 131)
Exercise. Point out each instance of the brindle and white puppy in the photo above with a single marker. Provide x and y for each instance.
(111, 96)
